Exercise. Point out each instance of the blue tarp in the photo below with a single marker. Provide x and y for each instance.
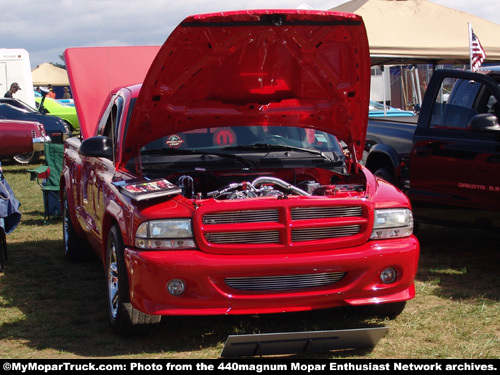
(9, 206)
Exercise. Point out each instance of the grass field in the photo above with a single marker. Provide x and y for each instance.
(51, 308)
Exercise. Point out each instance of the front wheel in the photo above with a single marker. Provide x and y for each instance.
(124, 318)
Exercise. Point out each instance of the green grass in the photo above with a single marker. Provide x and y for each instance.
(51, 308)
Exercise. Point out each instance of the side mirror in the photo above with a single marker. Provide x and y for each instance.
(483, 122)
(97, 147)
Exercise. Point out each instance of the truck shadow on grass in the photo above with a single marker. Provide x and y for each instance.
(57, 309)
(464, 263)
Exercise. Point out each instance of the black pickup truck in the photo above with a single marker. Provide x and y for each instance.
(446, 159)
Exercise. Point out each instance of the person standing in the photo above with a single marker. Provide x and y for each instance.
(14, 87)
(51, 93)
(66, 94)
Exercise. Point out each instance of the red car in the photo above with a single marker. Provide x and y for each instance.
(228, 181)
(19, 137)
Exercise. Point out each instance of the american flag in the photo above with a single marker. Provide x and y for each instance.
(477, 54)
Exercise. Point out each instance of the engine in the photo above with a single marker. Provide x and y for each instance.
(266, 186)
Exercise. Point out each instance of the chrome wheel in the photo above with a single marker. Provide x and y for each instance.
(113, 281)
(65, 225)
(124, 318)
(27, 157)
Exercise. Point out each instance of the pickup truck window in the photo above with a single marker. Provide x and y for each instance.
(247, 146)
(240, 137)
(453, 111)
(108, 125)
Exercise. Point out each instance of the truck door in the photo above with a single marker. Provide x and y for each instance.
(98, 173)
(453, 167)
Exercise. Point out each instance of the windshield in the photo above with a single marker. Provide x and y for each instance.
(240, 138)
(244, 148)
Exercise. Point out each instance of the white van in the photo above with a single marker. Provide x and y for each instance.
(15, 67)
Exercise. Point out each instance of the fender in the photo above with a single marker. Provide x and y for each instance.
(384, 156)
(113, 214)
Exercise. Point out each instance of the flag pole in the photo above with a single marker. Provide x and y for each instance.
(470, 46)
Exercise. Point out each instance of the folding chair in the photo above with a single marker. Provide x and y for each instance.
(47, 176)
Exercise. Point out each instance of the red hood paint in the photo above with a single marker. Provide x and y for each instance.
(259, 67)
(94, 72)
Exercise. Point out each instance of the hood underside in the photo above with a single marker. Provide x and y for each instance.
(279, 67)
(260, 67)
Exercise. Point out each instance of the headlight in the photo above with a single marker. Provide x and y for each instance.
(392, 223)
(165, 234)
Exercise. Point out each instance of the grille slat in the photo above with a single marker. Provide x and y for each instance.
(239, 217)
(312, 234)
(307, 213)
(264, 237)
(284, 283)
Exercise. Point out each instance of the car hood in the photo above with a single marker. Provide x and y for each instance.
(273, 67)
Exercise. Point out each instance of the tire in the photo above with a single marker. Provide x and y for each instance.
(70, 127)
(387, 175)
(27, 158)
(124, 318)
(75, 247)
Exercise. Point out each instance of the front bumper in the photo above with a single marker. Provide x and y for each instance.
(207, 292)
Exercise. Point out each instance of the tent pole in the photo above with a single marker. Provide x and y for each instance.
(419, 90)
(382, 68)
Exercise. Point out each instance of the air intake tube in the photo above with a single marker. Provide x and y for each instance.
(283, 184)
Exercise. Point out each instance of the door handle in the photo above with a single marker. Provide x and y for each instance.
(423, 151)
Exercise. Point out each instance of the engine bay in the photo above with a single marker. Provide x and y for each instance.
(278, 184)
(243, 162)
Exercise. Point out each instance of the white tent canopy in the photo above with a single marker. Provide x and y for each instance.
(418, 31)
(45, 74)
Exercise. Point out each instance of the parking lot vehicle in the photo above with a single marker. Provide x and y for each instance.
(18, 137)
(55, 128)
(15, 66)
(218, 185)
(60, 109)
(377, 110)
(446, 160)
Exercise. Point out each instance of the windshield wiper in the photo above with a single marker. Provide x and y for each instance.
(183, 151)
(268, 146)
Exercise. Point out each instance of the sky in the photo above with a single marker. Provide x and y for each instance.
(45, 28)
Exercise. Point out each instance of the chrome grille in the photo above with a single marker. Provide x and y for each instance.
(287, 225)
(312, 234)
(256, 237)
(305, 213)
(237, 217)
(283, 283)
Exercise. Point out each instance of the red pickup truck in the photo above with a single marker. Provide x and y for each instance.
(18, 137)
(227, 181)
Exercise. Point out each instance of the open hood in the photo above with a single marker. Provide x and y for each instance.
(94, 72)
(260, 67)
